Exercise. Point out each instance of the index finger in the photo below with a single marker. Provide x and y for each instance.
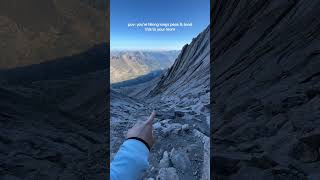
(150, 119)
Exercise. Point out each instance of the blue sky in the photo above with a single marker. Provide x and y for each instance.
(123, 12)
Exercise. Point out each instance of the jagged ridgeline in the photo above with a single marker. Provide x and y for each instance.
(180, 96)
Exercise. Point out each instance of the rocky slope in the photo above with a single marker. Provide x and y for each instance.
(54, 125)
(36, 31)
(127, 65)
(266, 97)
(180, 97)
(189, 76)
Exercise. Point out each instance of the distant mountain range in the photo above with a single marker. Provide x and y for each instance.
(126, 65)
(36, 31)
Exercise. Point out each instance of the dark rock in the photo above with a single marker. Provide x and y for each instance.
(265, 94)
(10, 177)
(42, 142)
(178, 114)
(312, 139)
(315, 176)
(262, 162)
(225, 166)
(287, 173)
(307, 148)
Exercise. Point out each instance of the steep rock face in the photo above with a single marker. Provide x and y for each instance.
(189, 75)
(266, 91)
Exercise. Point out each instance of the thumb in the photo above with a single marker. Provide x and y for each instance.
(150, 119)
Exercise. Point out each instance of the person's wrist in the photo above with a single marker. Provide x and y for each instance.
(141, 140)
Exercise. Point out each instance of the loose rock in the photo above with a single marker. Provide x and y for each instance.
(157, 126)
(180, 159)
(172, 128)
(185, 127)
(164, 162)
(168, 174)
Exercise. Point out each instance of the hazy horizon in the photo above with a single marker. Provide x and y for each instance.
(144, 50)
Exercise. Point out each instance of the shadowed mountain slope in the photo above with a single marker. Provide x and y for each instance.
(92, 60)
(54, 119)
(265, 94)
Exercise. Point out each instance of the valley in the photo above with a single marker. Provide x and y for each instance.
(128, 64)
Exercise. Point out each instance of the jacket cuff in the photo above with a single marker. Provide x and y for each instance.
(141, 140)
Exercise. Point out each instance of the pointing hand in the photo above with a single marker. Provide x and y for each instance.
(143, 130)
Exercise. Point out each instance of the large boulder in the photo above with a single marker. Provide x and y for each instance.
(180, 159)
